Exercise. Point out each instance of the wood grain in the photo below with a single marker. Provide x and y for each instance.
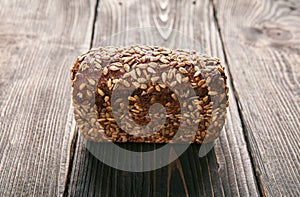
(39, 41)
(184, 177)
(225, 171)
(262, 39)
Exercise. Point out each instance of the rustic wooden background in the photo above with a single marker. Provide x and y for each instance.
(257, 154)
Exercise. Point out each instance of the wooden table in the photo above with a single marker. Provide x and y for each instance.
(257, 154)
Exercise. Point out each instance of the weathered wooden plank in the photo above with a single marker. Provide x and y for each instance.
(185, 176)
(39, 41)
(224, 171)
(261, 39)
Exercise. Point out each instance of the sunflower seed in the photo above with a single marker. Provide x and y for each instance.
(146, 75)
(131, 62)
(174, 96)
(105, 71)
(151, 70)
(165, 52)
(119, 100)
(188, 63)
(97, 65)
(118, 64)
(162, 85)
(114, 68)
(125, 53)
(173, 63)
(213, 93)
(143, 59)
(173, 83)
(135, 111)
(141, 80)
(131, 51)
(207, 106)
(80, 95)
(100, 92)
(134, 65)
(144, 86)
(82, 86)
(138, 71)
(199, 107)
(181, 64)
(150, 90)
(127, 59)
(89, 93)
(126, 83)
(183, 70)
(106, 98)
(209, 111)
(133, 74)
(200, 83)
(83, 67)
(115, 81)
(164, 60)
(136, 84)
(152, 64)
(222, 96)
(190, 107)
(164, 77)
(154, 79)
(144, 93)
(137, 49)
(142, 66)
(91, 81)
(186, 79)
(126, 67)
(126, 75)
(178, 77)
(109, 83)
(157, 88)
(163, 66)
(182, 57)
(155, 53)
(197, 73)
(208, 80)
(90, 131)
(170, 74)
(168, 104)
(131, 98)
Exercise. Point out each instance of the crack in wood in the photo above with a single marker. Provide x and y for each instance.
(71, 163)
(74, 140)
(94, 23)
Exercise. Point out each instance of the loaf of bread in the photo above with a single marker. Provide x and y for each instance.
(153, 73)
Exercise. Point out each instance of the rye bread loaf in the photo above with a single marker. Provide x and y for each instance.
(97, 73)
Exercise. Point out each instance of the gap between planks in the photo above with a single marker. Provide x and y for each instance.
(260, 186)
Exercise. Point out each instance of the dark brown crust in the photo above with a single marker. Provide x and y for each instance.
(116, 61)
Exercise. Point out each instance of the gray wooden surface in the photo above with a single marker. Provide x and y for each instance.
(41, 152)
(262, 46)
